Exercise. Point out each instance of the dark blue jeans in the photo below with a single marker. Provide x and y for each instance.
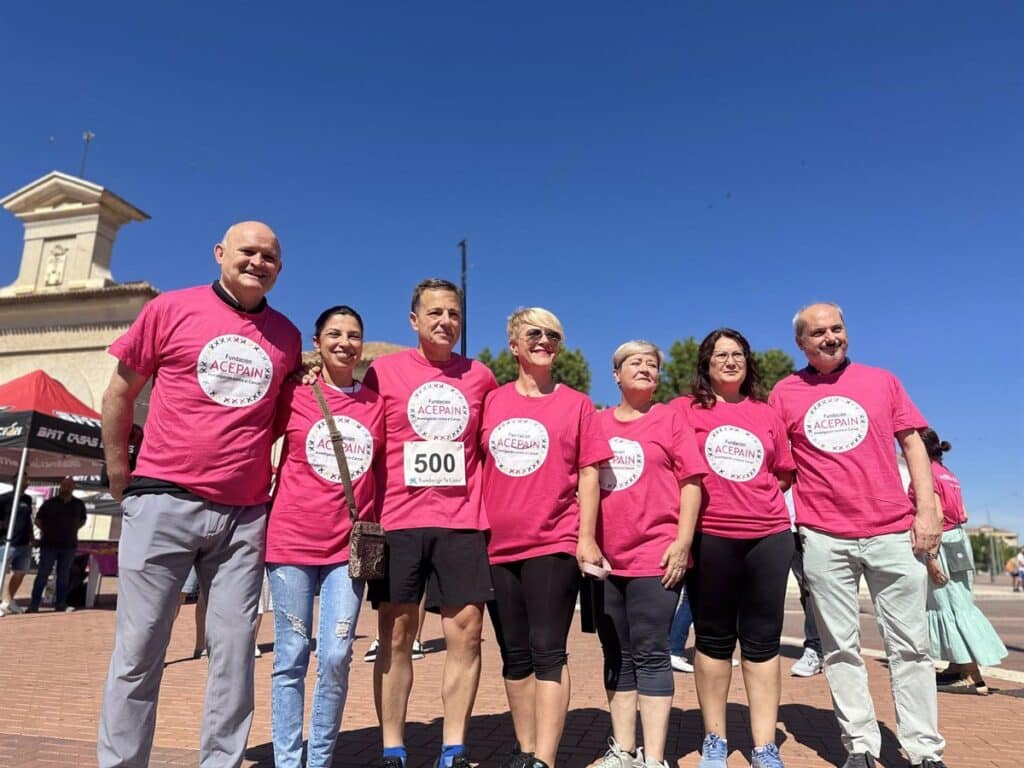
(48, 556)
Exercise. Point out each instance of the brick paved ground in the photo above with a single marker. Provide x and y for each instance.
(53, 669)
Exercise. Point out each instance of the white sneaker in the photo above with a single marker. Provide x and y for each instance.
(371, 652)
(680, 664)
(417, 650)
(8, 608)
(807, 665)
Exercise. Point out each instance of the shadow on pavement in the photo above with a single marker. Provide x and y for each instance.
(805, 724)
(586, 738)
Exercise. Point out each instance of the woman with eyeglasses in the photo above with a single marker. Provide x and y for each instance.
(743, 546)
(542, 446)
(650, 498)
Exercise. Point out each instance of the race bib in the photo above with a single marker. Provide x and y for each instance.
(518, 446)
(435, 462)
(624, 468)
(734, 453)
(438, 411)
(234, 371)
(356, 440)
(836, 424)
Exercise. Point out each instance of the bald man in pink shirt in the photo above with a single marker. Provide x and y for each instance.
(843, 420)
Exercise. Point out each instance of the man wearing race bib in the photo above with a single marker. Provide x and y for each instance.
(217, 356)
(855, 520)
(430, 510)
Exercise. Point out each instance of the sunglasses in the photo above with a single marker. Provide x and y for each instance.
(533, 335)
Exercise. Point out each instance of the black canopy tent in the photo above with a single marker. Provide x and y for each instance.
(46, 433)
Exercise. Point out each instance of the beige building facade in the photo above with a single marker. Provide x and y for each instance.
(64, 307)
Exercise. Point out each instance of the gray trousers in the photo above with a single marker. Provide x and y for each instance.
(811, 638)
(162, 537)
(897, 582)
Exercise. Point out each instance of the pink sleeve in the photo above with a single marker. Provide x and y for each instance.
(904, 413)
(594, 446)
(783, 455)
(686, 459)
(137, 348)
(370, 379)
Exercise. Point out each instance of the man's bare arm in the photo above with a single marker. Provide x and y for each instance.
(928, 521)
(118, 409)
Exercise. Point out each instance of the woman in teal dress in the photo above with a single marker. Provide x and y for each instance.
(959, 631)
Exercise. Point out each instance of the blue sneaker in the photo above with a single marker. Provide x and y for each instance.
(765, 757)
(713, 752)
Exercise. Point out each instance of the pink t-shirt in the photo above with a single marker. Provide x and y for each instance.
(640, 484)
(423, 402)
(534, 447)
(309, 520)
(841, 428)
(743, 445)
(216, 372)
(947, 487)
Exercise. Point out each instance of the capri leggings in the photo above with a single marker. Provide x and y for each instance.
(534, 602)
(633, 625)
(737, 588)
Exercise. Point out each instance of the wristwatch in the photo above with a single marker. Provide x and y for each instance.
(931, 556)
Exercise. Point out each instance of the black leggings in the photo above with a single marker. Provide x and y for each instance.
(737, 588)
(534, 602)
(633, 625)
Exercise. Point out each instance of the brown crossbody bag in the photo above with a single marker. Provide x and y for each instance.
(366, 543)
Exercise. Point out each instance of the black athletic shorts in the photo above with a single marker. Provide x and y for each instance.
(453, 561)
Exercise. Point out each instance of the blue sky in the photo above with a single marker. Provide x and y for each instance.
(644, 170)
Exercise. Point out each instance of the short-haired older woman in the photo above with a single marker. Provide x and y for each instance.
(540, 492)
(743, 546)
(650, 498)
(959, 632)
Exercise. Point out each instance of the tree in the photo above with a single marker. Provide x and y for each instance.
(984, 547)
(681, 363)
(774, 365)
(504, 366)
(571, 367)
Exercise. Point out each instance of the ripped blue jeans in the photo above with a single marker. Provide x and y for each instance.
(293, 588)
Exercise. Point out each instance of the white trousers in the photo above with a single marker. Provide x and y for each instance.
(897, 582)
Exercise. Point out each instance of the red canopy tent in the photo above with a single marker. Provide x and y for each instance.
(47, 433)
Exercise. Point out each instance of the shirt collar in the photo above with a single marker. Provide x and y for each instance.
(230, 300)
(815, 372)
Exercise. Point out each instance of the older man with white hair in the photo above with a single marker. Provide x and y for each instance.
(856, 521)
(217, 355)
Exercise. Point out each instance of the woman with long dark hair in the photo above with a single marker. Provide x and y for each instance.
(308, 539)
(959, 631)
(743, 546)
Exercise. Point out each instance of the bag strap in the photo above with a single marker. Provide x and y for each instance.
(339, 452)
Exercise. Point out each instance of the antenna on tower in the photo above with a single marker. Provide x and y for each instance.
(87, 137)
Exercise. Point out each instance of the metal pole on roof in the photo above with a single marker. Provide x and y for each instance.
(19, 482)
(462, 247)
(87, 137)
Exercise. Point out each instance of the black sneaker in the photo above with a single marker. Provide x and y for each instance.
(926, 763)
(391, 762)
(859, 760)
(516, 759)
(459, 761)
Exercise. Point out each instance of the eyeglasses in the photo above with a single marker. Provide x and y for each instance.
(533, 335)
(722, 357)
